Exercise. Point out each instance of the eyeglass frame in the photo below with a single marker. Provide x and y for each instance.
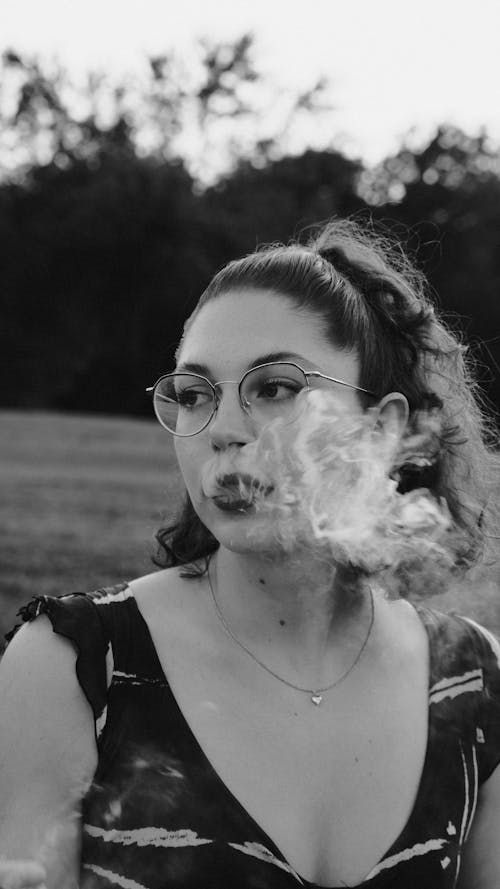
(306, 373)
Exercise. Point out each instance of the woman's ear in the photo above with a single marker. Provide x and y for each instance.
(392, 414)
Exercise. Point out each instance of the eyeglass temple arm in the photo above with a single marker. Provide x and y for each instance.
(317, 373)
(158, 395)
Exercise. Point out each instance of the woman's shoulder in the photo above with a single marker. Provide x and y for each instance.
(69, 611)
(48, 730)
(177, 579)
(170, 599)
(63, 644)
(168, 585)
(460, 633)
(41, 698)
(94, 620)
(65, 609)
(460, 645)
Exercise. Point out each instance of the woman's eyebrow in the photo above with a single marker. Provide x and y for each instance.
(269, 358)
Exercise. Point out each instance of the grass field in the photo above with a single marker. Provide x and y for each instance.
(81, 498)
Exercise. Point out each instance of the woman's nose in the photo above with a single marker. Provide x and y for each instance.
(230, 424)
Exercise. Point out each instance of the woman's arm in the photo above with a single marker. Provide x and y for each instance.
(47, 753)
(481, 860)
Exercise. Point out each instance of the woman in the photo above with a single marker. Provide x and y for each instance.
(263, 712)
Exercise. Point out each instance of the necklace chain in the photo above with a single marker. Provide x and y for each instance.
(316, 693)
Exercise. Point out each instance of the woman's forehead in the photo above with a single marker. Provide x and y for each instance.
(250, 321)
(236, 330)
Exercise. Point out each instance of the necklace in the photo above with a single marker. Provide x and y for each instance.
(316, 694)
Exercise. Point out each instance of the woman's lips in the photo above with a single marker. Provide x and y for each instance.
(239, 492)
(243, 482)
(233, 505)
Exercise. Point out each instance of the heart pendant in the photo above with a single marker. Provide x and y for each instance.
(316, 699)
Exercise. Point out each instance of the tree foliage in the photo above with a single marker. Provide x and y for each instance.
(208, 111)
(448, 197)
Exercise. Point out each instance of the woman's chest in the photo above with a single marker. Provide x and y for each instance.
(330, 786)
(334, 786)
(324, 791)
(241, 774)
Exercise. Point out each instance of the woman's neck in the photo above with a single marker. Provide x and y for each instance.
(299, 614)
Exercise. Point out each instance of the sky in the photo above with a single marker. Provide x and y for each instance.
(394, 66)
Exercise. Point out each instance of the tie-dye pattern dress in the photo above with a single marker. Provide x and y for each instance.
(158, 816)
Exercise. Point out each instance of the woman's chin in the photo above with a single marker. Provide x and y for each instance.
(240, 527)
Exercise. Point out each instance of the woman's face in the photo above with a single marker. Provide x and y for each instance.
(232, 333)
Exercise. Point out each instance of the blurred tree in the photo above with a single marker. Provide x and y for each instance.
(39, 125)
(110, 232)
(447, 196)
(105, 233)
(92, 275)
(451, 159)
(208, 111)
(277, 201)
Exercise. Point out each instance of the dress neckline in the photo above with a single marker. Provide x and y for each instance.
(427, 619)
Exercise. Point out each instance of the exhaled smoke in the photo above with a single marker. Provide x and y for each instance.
(21, 874)
(330, 479)
(52, 859)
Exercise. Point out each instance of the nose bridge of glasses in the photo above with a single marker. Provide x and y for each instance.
(223, 382)
(218, 392)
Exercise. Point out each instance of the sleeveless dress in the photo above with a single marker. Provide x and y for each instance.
(158, 816)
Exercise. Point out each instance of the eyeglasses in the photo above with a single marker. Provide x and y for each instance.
(185, 403)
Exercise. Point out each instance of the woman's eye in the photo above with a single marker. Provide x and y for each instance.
(191, 398)
(279, 390)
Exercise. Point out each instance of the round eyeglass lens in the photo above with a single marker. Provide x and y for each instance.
(183, 403)
(272, 391)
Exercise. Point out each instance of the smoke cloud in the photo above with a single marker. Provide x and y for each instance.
(330, 479)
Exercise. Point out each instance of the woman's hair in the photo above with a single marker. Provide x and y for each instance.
(373, 300)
